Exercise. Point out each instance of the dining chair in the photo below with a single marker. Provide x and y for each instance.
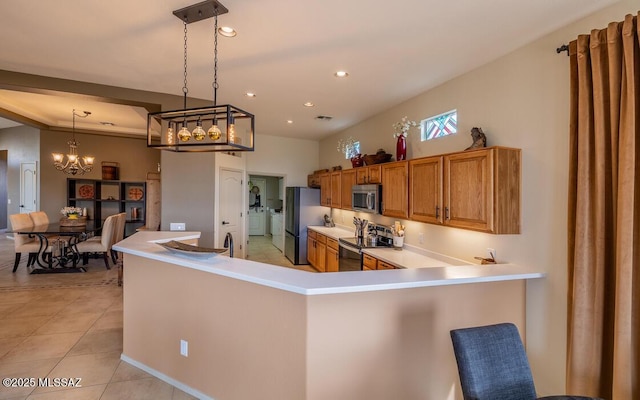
(118, 234)
(99, 244)
(40, 218)
(23, 243)
(493, 364)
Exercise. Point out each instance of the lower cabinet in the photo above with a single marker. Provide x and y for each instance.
(322, 252)
(332, 255)
(370, 263)
(316, 250)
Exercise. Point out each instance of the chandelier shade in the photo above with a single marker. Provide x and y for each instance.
(74, 163)
(223, 128)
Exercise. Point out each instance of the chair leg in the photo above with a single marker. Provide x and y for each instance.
(85, 258)
(106, 259)
(32, 259)
(15, 264)
(114, 256)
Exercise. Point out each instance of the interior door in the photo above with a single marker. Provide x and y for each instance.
(231, 209)
(257, 203)
(28, 187)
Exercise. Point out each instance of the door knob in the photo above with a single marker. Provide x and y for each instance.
(225, 223)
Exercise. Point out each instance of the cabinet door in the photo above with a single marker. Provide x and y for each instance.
(468, 190)
(362, 176)
(375, 174)
(348, 180)
(321, 256)
(336, 191)
(325, 189)
(369, 262)
(425, 190)
(385, 265)
(395, 189)
(311, 248)
(331, 260)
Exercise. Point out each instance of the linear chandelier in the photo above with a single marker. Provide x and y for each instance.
(73, 165)
(214, 128)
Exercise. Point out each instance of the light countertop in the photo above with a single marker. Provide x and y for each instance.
(409, 257)
(143, 244)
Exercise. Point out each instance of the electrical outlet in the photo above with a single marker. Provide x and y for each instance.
(491, 253)
(184, 348)
(177, 226)
(421, 238)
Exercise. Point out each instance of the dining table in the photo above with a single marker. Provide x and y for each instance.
(58, 251)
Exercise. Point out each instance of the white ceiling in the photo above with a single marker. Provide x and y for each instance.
(286, 51)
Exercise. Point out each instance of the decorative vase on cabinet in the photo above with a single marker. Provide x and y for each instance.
(401, 148)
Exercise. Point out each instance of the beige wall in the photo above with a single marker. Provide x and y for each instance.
(520, 100)
(132, 155)
(245, 341)
(292, 158)
(248, 341)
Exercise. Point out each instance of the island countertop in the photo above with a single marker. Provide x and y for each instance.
(144, 244)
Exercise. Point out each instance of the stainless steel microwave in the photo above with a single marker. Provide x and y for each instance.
(366, 198)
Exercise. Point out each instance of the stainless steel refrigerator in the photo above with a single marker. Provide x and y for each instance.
(302, 208)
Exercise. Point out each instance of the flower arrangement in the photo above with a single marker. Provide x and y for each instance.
(402, 128)
(71, 211)
(346, 146)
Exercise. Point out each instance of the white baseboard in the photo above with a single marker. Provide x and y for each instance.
(187, 389)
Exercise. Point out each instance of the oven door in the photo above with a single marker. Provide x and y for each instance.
(349, 258)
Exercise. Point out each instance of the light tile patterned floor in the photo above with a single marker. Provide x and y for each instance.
(262, 249)
(67, 326)
(70, 326)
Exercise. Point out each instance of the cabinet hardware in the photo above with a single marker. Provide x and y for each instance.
(437, 212)
(446, 212)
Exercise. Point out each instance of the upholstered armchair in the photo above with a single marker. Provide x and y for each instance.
(100, 244)
(23, 243)
(493, 364)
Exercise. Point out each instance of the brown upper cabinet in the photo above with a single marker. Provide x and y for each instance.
(425, 192)
(348, 180)
(478, 190)
(325, 189)
(336, 192)
(368, 175)
(395, 189)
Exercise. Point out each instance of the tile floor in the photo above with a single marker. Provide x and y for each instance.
(262, 249)
(70, 326)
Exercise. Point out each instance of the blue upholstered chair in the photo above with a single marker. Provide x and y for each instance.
(493, 364)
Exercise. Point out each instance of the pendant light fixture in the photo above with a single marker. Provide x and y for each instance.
(215, 128)
(73, 165)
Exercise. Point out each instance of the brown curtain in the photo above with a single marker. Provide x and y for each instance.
(604, 214)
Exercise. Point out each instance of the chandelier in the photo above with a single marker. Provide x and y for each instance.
(73, 165)
(214, 128)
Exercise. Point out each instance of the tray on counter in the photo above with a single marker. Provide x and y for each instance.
(190, 251)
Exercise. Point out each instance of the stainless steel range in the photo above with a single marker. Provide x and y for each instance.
(350, 258)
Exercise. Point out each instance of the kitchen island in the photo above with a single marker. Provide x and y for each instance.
(261, 331)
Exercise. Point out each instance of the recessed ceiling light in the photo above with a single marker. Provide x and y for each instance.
(289, 121)
(341, 74)
(107, 123)
(227, 31)
(308, 104)
(324, 117)
(250, 94)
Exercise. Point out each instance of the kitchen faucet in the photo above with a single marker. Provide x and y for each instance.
(228, 243)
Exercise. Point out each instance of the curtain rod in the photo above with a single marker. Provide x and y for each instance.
(562, 48)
